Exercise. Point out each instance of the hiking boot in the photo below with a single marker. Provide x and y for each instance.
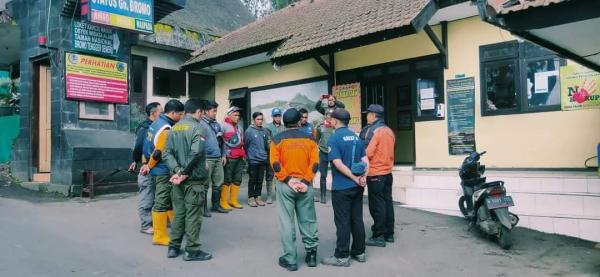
(196, 256)
(259, 201)
(173, 252)
(333, 261)
(286, 265)
(375, 241)
(252, 202)
(361, 258)
(311, 257)
(147, 231)
(390, 239)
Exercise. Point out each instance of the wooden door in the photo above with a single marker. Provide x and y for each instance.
(44, 145)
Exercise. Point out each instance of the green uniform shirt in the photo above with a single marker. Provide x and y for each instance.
(323, 134)
(185, 149)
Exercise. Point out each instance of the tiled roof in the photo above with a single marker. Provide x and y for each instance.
(508, 6)
(311, 24)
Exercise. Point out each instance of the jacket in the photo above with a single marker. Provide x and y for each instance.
(274, 130)
(214, 138)
(233, 138)
(322, 133)
(293, 153)
(256, 143)
(184, 152)
(366, 134)
(140, 135)
(154, 145)
(319, 106)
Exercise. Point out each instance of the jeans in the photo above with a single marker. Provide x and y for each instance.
(347, 211)
(381, 205)
(146, 200)
(257, 174)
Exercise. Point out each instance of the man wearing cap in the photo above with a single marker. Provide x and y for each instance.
(380, 140)
(274, 128)
(345, 151)
(295, 160)
(215, 154)
(233, 138)
(322, 133)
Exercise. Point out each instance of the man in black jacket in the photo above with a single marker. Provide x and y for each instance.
(146, 186)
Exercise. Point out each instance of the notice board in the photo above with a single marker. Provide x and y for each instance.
(95, 79)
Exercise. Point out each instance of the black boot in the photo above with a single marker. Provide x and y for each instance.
(206, 212)
(286, 265)
(173, 252)
(323, 189)
(196, 256)
(311, 257)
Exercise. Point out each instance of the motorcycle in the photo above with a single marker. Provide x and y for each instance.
(486, 204)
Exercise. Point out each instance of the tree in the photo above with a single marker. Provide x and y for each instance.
(260, 8)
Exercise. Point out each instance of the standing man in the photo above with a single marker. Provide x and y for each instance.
(345, 150)
(145, 184)
(233, 138)
(295, 160)
(186, 159)
(256, 141)
(329, 102)
(155, 143)
(274, 128)
(305, 126)
(380, 141)
(215, 156)
(323, 132)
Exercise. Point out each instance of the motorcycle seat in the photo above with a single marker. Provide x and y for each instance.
(474, 182)
(492, 184)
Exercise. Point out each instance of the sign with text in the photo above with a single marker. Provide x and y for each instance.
(95, 79)
(349, 94)
(461, 115)
(136, 15)
(579, 88)
(95, 39)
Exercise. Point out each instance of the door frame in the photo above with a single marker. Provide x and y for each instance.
(35, 65)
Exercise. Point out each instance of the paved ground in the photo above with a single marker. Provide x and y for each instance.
(74, 237)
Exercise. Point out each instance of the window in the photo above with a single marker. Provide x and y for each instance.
(138, 78)
(201, 86)
(169, 83)
(518, 78)
(96, 110)
(429, 84)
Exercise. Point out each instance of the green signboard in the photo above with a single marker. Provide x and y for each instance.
(461, 116)
(95, 39)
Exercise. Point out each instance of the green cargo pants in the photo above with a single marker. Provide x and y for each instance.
(188, 202)
(162, 194)
(233, 171)
(291, 205)
(215, 178)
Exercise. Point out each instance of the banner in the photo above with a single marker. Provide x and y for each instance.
(136, 15)
(579, 88)
(95, 79)
(91, 38)
(349, 94)
(461, 115)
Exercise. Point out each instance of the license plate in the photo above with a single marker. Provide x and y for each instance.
(495, 202)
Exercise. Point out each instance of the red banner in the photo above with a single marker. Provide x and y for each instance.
(96, 79)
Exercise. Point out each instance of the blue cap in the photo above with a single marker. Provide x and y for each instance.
(276, 112)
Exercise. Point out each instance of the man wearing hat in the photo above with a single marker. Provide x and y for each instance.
(380, 140)
(274, 128)
(294, 158)
(346, 152)
(233, 138)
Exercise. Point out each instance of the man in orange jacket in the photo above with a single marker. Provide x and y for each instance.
(295, 160)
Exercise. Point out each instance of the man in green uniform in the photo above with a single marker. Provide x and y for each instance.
(185, 157)
(321, 134)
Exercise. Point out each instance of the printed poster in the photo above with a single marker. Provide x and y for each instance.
(461, 116)
(579, 88)
(95, 79)
(349, 94)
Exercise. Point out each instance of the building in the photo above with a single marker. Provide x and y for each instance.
(415, 58)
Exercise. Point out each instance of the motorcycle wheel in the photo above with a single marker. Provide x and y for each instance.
(462, 205)
(505, 238)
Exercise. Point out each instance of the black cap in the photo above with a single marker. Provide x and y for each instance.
(374, 108)
(291, 116)
(211, 104)
(340, 114)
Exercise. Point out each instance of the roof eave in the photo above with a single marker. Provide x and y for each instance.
(199, 65)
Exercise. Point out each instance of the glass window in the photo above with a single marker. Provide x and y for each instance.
(169, 83)
(96, 110)
(138, 77)
(429, 94)
(500, 86)
(543, 84)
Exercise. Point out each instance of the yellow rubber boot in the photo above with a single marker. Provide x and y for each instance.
(170, 216)
(225, 197)
(159, 223)
(233, 199)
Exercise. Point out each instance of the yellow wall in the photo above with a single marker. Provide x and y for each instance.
(537, 140)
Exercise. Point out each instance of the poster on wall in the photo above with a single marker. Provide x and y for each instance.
(349, 94)
(95, 79)
(297, 96)
(461, 116)
(580, 88)
(136, 15)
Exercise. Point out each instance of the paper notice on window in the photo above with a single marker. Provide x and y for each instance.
(541, 81)
(427, 104)
(426, 93)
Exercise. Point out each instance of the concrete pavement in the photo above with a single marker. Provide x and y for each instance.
(77, 237)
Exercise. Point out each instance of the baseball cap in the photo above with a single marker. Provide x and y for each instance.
(233, 109)
(374, 108)
(211, 104)
(276, 112)
(341, 114)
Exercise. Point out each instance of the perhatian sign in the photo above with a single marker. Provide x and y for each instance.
(136, 15)
(95, 39)
(92, 78)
